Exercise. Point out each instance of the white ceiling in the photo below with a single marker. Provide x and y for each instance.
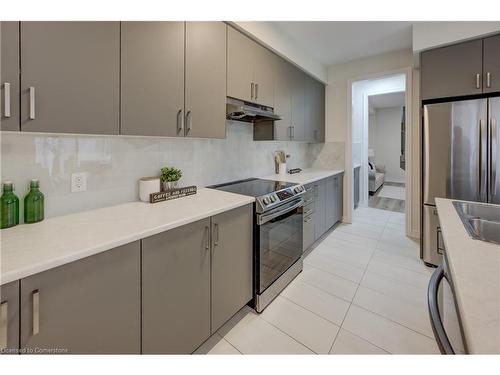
(331, 42)
(393, 99)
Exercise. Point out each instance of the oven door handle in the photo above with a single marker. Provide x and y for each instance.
(262, 219)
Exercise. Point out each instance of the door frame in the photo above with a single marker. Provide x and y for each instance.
(409, 139)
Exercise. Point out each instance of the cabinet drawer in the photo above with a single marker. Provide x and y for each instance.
(308, 209)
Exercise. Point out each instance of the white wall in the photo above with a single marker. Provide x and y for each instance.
(337, 100)
(385, 140)
(432, 34)
(275, 40)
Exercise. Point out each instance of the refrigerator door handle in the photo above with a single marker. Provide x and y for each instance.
(493, 156)
(483, 145)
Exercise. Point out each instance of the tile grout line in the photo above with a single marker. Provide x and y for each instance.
(354, 296)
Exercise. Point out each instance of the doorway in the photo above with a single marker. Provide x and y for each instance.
(380, 175)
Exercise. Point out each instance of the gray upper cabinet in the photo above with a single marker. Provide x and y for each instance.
(491, 64)
(239, 65)
(250, 75)
(205, 79)
(314, 113)
(152, 78)
(232, 258)
(176, 289)
(9, 77)
(452, 71)
(283, 72)
(89, 306)
(263, 76)
(9, 318)
(70, 77)
(298, 80)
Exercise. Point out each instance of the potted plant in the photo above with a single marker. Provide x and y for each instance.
(170, 177)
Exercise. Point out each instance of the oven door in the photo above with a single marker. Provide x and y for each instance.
(279, 242)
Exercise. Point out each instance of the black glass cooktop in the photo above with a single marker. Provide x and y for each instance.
(254, 187)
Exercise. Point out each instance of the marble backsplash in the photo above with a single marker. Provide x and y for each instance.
(114, 164)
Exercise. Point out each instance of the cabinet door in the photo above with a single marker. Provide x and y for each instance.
(452, 71)
(240, 51)
(338, 198)
(206, 79)
(232, 257)
(282, 98)
(263, 76)
(491, 64)
(9, 318)
(9, 77)
(330, 209)
(152, 78)
(298, 105)
(319, 135)
(72, 69)
(176, 289)
(88, 306)
(311, 116)
(319, 209)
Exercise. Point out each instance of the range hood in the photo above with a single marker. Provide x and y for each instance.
(240, 110)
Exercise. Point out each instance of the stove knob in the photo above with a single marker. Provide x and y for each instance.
(297, 189)
(273, 198)
(266, 200)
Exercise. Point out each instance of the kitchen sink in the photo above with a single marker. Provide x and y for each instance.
(482, 221)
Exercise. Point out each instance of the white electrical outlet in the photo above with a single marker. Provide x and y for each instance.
(78, 182)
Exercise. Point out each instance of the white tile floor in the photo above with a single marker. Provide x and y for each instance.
(362, 291)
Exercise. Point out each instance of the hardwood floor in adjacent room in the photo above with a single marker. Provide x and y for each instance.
(385, 203)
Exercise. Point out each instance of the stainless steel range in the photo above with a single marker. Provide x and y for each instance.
(278, 245)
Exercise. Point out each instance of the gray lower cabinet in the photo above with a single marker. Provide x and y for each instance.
(176, 289)
(9, 318)
(452, 71)
(205, 75)
(356, 185)
(9, 76)
(338, 198)
(491, 64)
(88, 306)
(70, 81)
(152, 78)
(319, 208)
(232, 257)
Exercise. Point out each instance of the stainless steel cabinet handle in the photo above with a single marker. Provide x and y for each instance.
(478, 81)
(180, 122)
(293, 132)
(6, 99)
(493, 155)
(488, 79)
(252, 86)
(437, 324)
(189, 122)
(256, 90)
(207, 234)
(216, 234)
(308, 212)
(4, 318)
(483, 146)
(35, 295)
(307, 220)
(32, 103)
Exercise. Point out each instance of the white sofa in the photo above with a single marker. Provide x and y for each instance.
(376, 177)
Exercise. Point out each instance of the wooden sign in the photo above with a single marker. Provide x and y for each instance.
(172, 194)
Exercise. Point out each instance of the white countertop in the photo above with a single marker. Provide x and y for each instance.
(306, 176)
(32, 248)
(475, 270)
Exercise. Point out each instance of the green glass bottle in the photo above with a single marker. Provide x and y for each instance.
(9, 204)
(33, 204)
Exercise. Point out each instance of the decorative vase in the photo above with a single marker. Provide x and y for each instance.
(169, 185)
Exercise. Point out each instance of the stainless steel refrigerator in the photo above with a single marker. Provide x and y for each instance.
(460, 143)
